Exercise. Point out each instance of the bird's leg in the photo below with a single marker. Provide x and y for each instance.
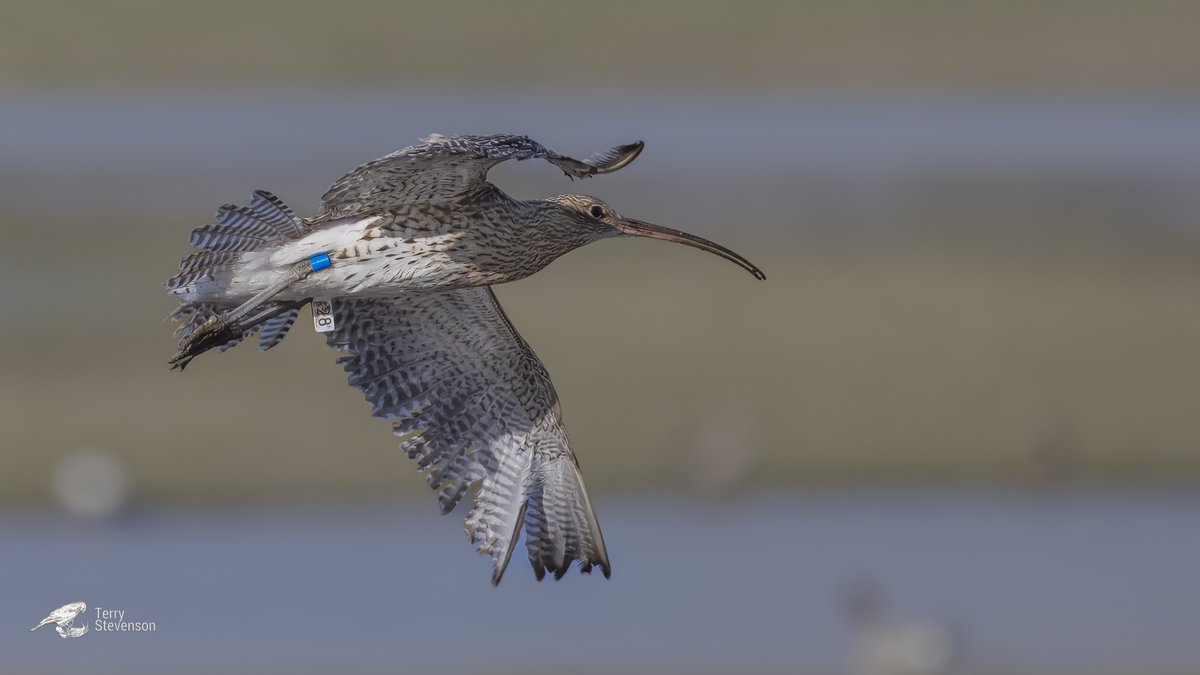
(219, 330)
(216, 332)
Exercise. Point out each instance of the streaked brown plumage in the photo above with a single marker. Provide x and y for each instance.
(413, 241)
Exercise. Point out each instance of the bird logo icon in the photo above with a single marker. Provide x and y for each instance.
(63, 619)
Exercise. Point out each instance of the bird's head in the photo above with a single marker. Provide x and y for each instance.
(594, 215)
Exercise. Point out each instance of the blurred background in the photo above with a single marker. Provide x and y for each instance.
(954, 431)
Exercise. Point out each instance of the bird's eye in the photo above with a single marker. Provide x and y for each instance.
(597, 211)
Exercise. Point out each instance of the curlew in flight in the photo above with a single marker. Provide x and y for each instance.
(406, 248)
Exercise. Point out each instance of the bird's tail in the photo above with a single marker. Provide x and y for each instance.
(247, 228)
(266, 221)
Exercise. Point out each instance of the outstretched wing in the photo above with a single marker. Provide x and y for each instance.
(474, 406)
(445, 167)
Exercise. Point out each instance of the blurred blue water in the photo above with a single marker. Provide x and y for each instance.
(755, 159)
(1036, 582)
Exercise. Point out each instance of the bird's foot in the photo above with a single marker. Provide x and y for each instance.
(213, 333)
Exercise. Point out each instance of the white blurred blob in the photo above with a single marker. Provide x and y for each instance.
(90, 483)
(722, 453)
(885, 644)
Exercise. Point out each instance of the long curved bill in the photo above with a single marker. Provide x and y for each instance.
(639, 228)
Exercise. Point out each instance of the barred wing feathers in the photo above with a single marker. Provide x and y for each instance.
(474, 406)
(444, 168)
